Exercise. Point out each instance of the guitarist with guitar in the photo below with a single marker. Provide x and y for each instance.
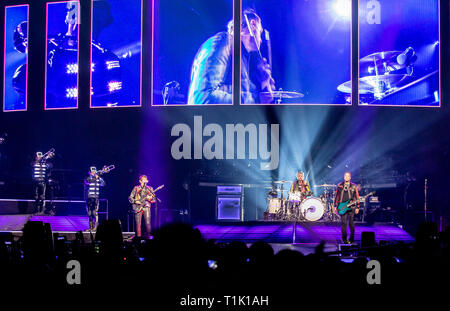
(346, 204)
(141, 198)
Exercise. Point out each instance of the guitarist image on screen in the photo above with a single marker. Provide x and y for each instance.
(346, 203)
(141, 199)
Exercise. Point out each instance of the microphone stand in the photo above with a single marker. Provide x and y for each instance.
(156, 210)
(269, 47)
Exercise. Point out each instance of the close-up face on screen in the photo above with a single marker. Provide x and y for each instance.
(399, 50)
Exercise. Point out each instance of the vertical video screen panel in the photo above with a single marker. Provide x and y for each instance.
(61, 73)
(399, 53)
(192, 53)
(116, 53)
(15, 75)
(296, 52)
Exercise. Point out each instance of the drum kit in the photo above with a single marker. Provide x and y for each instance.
(299, 206)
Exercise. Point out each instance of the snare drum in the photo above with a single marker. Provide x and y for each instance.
(273, 205)
(312, 209)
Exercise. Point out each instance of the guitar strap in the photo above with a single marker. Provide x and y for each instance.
(342, 194)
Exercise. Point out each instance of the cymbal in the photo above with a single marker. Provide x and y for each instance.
(281, 182)
(324, 185)
(373, 84)
(283, 94)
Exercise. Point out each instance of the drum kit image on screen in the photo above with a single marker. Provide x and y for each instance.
(285, 205)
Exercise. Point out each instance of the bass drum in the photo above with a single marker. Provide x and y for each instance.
(274, 205)
(312, 209)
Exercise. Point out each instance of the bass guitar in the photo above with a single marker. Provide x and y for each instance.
(349, 205)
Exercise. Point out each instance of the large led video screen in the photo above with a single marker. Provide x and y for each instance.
(192, 53)
(15, 75)
(295, 52)
(116, 53)
(399, 53)
(62, 53)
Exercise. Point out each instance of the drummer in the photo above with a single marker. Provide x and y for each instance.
(301, 185)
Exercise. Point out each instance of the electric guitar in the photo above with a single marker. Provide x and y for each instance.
(140, 202)
(348, 205)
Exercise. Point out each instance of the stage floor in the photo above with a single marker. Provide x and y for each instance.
(305, 232)
(57, 223)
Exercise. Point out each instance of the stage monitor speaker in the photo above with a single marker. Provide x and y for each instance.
(109, 231)
(229, 207)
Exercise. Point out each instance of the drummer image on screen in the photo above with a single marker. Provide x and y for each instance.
(300, 187)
